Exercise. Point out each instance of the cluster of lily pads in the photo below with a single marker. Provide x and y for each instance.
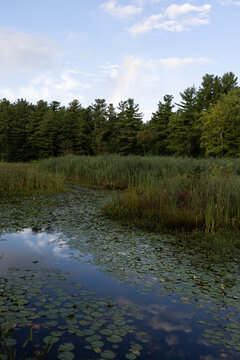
(64, 316)
(151, 262)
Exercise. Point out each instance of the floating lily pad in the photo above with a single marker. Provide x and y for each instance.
(114, 338)
(51, 339)
(67, 355)
(108, 354)
(10, 342)
(130, 356)
(66, 347)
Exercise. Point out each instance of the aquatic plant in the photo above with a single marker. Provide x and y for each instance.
(115, 171)
(162, 192)
(209, 203)
(27, 179)
(56, 310)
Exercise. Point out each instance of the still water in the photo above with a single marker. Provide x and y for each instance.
(90, 288)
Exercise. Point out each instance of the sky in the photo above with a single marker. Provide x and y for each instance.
(114, 49)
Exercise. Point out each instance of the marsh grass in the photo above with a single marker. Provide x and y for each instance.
(210, 203)
(27, 179)
(120, 172)
(161, 192)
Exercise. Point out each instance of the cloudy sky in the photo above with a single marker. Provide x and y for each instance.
(114, 49)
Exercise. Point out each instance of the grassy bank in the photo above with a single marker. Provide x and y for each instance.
(27, 179)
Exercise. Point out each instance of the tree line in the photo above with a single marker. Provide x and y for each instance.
(206, 122)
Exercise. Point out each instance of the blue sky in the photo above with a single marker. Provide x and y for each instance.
(114, 49)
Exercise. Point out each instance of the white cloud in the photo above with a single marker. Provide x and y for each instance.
(63, 87)
(113, 8)
(22, 51)
(135, 73)
(229, 2)
(147, 80)
(174, 11)
(175, 18)
(127, 76)
(109, 70)
(173, 62)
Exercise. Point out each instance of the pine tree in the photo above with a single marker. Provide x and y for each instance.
(213, 87)
(128, 124)
(35, 119)
(158, 126)
(69, 132)
(99, 115)
(110, 134)
(18, 140)
(49, 130)
(5, 108)
(85, 133)
(183, 136)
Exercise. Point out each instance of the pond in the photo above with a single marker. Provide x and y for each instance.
(76, 285)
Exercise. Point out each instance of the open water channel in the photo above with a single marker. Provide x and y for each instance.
(90, 288)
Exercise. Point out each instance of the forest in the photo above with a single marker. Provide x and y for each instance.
(206, 122)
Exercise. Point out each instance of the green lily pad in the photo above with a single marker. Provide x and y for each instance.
(10, 342)
(51, 339)
(108, 354)
(67, 355)
(66, 347)
(114, 339)
(130, 356)
(106, 332)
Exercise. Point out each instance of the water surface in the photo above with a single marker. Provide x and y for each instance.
(102, 290)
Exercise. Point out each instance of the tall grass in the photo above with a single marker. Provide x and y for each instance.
(119, 172)
(209, 203)
(162, 192)
(27, 179)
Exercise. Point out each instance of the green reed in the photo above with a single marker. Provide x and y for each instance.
(26, 179)
(115, 171)
(161, 192)
(181, 203)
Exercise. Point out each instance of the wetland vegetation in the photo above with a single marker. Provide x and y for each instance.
(196, 200)
(22, 178)
(148, 270)
(92, 288)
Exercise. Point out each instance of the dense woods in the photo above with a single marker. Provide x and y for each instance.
(206, 122)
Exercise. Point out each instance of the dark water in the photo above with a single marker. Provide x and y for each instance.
(101, 290)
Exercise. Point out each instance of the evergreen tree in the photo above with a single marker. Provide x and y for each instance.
(209, 91)
(183, 136)
(69, 133)
(49, 130)
(85, 132)
(18, 141)
(229, 82)
(158, 126)
(129, 123)
(213, 87)
(5, 129)
(99, 115)
(110, 135)
(35, 119)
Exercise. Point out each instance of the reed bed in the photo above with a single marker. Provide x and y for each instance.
(161, 192)
(210, 203)
(27, 179)
(120, 172)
